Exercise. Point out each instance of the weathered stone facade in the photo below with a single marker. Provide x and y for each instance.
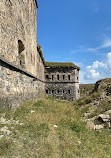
(21, 62)
(17, 85)
(62, 81)
(18, 33)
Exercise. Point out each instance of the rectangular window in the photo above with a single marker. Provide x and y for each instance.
(58, 77)
(52, 77)
(69, 92)
(63, 91)
(52, 91)
(63, 77)
(69, 77)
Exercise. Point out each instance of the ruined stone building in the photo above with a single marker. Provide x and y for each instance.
(62, 80)
(22, 63)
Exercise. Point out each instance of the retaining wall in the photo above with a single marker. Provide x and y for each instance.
(17, 85)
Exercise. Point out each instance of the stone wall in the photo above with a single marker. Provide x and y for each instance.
(62, 83)
(18, 33)
(17, 85)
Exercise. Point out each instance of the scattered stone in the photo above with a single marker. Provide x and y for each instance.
(55, 126)
(79, 142)
(4, 121)
(32, 111)
(5, 130)
(104, 117)
(21, 124)
(1, 136)
(86, 114)
(98, 127)
(90, 124)
(108, 112)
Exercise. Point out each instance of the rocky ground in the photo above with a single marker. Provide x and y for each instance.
(98, 113)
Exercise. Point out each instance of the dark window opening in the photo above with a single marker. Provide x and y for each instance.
(77, 78)
(69, 92)
(20, 47)
(20, 62)
(78, 91)
(52, 91)
(63, 77)
(52, 77)
(58, 77)
(47, 91)
(57, 91)
(47, 77)
(63, 91)
(69, 77)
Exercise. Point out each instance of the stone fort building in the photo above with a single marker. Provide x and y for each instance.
(22, 65)
(62, 80)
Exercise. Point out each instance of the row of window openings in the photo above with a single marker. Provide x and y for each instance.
(58, 77)
(58, 92)
(47, 77)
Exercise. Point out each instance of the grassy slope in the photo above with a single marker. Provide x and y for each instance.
(85, 89)
(38, 138)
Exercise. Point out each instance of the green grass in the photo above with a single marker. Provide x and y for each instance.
(37, 137)
(87, 99)
(85, 89)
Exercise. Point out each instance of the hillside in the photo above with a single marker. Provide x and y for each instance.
(50, 128)
(85, 89)
(98, 100)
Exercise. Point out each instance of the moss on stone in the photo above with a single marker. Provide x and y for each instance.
(61, 65)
